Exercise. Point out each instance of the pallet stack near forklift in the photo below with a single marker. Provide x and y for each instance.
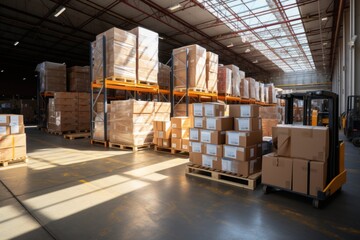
(12, 139)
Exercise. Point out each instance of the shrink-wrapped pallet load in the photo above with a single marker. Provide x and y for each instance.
(164, 76)
(52, 76)
(78, 79)
(235, 79)
(212, 63)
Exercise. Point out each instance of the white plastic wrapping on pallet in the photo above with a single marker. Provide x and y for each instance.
(251, 87)
(235, 80)
(147, 56)
(120, 54)
(52, 76)
(262, 92)
(164, 75)
(224, 83)
(244, 88)
(196, 68)
(212, 63)
(257, 91)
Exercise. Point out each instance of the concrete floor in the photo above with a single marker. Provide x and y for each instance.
(78, 191)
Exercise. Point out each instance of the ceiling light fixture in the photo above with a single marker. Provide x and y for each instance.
(24, 79)
(16, 43)
(324, 19)
(175, 7)
(59, 11)
(161, 38)
(247, 50)
(2, 70)
(230, 45)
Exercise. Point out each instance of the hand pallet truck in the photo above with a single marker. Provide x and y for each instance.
(336, 172)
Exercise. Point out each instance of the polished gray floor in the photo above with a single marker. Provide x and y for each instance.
(75, 190)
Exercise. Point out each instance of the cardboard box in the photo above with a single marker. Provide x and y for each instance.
(180, 122)
(211, 161)
(199, 122)
(214, 109)
(243, 139)
(300, 176)
(196, 147)
(219, 123)
(163, 134)
(185, 145)
(213, 149)
(242, 110)
(156, 141)
(162, 107)
(195, 158)
(6, 141)
(241, 168)
(318, 175)
(310, 143)
(240, 153)
(180, 133)
(176, 143)
(166, 142)
(198, 109)
(213, 137)
(277, 171)
(306, 142)
(247, 124)
(194, 134)
(6, 154)
(4, 120)
(159, 125)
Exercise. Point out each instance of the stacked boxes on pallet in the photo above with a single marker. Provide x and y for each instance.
(120, 55)
(252, 89)
(131, 122)
(180, 128)
(300, 162)
(235, 79)
(162, 133)
(164, 76)
(62, 112)
(244, 88)
(270, 116)
(212, 63)
(243, 150)
(224, 80)
(12, 138)
(196, 69)
(52, 77)
(98, 131)
(180, 110)
(78, 79)
(262, 92)
(147, 53)
(83, 111)
(208, 134)
(270, 93)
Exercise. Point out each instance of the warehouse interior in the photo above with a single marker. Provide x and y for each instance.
(67, 188)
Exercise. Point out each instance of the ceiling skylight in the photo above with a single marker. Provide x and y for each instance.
(271, 26)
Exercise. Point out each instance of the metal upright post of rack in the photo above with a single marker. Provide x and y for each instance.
(104, 86)
(172, 86)
(187, 81)
(91, 93)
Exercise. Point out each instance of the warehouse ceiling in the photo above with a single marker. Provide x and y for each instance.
(260, 36)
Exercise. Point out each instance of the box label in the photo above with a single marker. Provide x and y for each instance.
(230, 152)
(14, 119)
(244, 124)
(233, 138)
(174, 135)
(207, 161)
(226, 165)
(161, 134)
(2, 130)
(245, 111)
(205, 136)
(252, 152)
(196, 147)
(211, 149)
(198, 110)
(15, 129)
(2, 119)
(209, 110)
(211, 123)
(173, 145)
(194, 134)
(198, 122)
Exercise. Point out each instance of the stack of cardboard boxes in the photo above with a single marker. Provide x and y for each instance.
(52, 77)
(131, 122)
(235, 79)
(180, 129)
(224, 80)
(271, 117)
(212, 63)
(196, 69)
(300, 162)
(98, 131)
(162, 133)
(147, 53)
(78, 79)
(120, 54)
(83, 111)
(62, 111)
(243, 150)
(164, 76)
(244, 88)
(12, 138)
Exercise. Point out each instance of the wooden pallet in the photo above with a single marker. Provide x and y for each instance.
(73, 136)
(146, 83)
(249, 182)
(83, 131)
(170, 150)
(129, 147)
(213, 92)
(7, 162)
(101, 142)
(117, 79)
(190, 89)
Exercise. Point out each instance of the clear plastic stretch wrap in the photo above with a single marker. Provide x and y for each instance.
(224, 80)
(78, 79)
(235, 80)
(244, 88)
(212, 65)
(52, 76)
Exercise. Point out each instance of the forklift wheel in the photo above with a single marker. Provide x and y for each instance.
(356, 142)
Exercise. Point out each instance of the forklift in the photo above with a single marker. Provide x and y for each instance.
(320, 117)
(336, 172)
(351, 120)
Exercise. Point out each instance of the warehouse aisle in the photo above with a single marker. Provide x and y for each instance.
(80, 191)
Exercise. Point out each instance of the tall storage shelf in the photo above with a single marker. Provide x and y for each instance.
(185, 95)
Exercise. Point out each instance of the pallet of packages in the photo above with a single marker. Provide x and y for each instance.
(212, 63)
(52, 76)
(224, 83)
